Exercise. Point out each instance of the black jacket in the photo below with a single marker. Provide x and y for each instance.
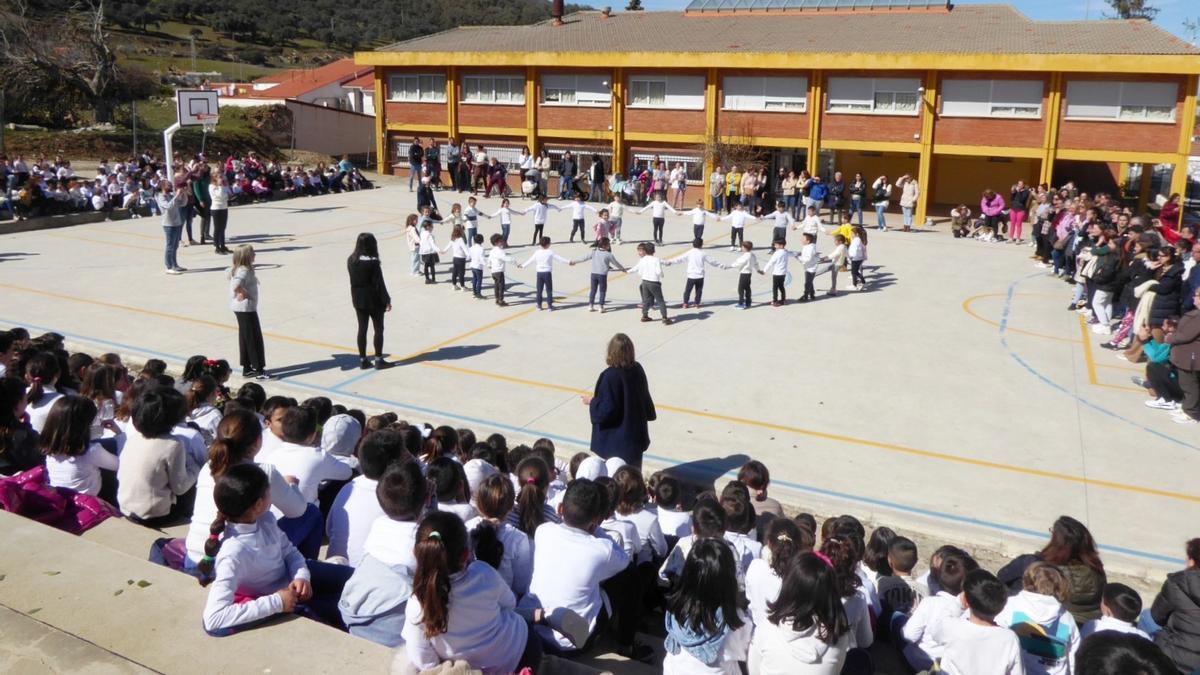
(1168, 292)
(566, 168)
(368, 292)
(1133, 275)
(1107, 275)
(1177, 610)
(19, 452)
(415, 154)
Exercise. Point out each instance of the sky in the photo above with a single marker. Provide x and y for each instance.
(1170, 17)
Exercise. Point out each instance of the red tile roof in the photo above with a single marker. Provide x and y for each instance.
(294, 83)
(362, 82)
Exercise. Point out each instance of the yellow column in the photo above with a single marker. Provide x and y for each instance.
(618, 120)
(1187, 125)
(816, 106)
(924, 169)
(710, 130)
(1144, 188)
(452, 103)
(1122, 177)
(381, 139)
(531, 108)
(1053, 114)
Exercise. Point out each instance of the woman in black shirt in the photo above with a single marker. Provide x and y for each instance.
(369, 295)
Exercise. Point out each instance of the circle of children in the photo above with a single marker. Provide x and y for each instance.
(39, 187)
(462, 549)
(1132, 276)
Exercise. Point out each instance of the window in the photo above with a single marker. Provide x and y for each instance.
(882, 96)
(1144, 101)
(692, 164)
(494, 89)
(680, 92)
(992, 98)
(766, 93)
(582, 90)
(419, 88)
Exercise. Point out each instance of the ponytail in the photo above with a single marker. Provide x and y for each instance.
(783, 540)
(42, 370)
(236, 436)
(200, 389)
(212, 546)
(533, 477)
(193, 368)
(441, 542)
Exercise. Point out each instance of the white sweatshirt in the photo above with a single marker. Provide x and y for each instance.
(505, 213)
(738, 218)
(777, 265)
(782, 219)
(496, 259)
(578, 207)
(544, 259)
(541, 212)
(1033, 613)
(700, 216)
(428, 243)
(858, 250)
(696, 259)
(476, 256)
(809, 257)
(459, 246)
(658, 209)
(747, 263)
(812, 225)
(972, 649)
(649, 268)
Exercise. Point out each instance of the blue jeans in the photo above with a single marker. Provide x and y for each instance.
(599, 283)
(414, 172)
(173, 234)
(718, 202)
(545, 283)
(477, 282)
(1057, 256)
(790, 202)
(908, 215)
(415, 261)
(305, 531)
(881, 220)
(856, 207)
(504, 232)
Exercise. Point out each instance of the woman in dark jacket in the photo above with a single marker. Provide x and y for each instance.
(1073, 550)
(1185, 356)
(621, 407)
(369, 294)
(1169, 287)
(1132, 275)
(18, 441)
(1177, 610)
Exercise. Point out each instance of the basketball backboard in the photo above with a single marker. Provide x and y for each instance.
(196, 107)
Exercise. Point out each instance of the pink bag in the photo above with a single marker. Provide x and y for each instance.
(29, 494)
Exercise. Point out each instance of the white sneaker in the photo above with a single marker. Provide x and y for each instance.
(1101, 329)
(173, 271)
(732, 248)
(1183, 420)
(1178, 413)
(1159, 404)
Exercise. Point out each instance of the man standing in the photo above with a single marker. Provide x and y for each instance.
(566, 175)
(453, 157)
(433, 163)
(415, 155)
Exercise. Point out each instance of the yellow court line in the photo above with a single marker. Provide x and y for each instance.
(966, 306)
(1087, 350)
(1130, 369)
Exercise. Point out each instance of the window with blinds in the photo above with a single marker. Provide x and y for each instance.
(417, 88)
(1134, 101)
(503, 89)
(788, 94)
(992, 98)
(874, 96)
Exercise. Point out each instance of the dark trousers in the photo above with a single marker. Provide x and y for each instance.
(779, 234)
(697, 231)
(1189, 382)
(498, 286)
(376, 318)
(430, 260)
(624, 591)
(697, 284)
(577, 225)
(220, 218)
(735, 236)
(1159, 375)
(778, 294)
(809, 291)
(599, 283)
(856, 275)
(305, 531)
(652, 294)
(477, 282)
(458, 273)
(205, 220)
(250, 342)
(545, 283)
(537, 232)
(743, 291)
(658, 229)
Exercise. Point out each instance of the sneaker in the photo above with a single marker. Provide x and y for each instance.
(264, 375)
(668, 321)
(732, 249)
(1139, 381)
(1101, 329)
(591, 308)
(646, 319)
(1183, 420)
(173, 271)
(364, 364)
(380, 364)
(684, 306)
(1159, 404)
(180, 269)
(601, 309)
(570, 624)
(1121, 355)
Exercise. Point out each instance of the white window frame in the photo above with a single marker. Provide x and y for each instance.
(668, 92)
(568, 94)
(766, 101)
(1127, 110)
(485, 83)
(399, 93)
(885, 87)
(996, 108)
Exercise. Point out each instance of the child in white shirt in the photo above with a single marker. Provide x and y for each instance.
(497, 258)
(428, 249)
(357, 506)
(777, 265)
(1045, 629)
(623, 533)
(699, 218)
(200, 397)
(471, 214)
(810, 258)
(695, 259)
(494, 500)
(374, 599)
(811, 224)
(475, 260)
(804, 632)
(544, 257)
(707, 521)
(658, 209)
(450, 486)
(72, 460)
(631, 507)
(746, 265)
(858, 255)
(577, 219)
(675, 523)
(458, 257)
(739, 217)
(299, 456)
(707, 631)
(975, 645)
(764, 576)
(541, 213)
(650, 269)
(1120, 608)
(505, 214)
(922, 632)
(616, 212)
(782, 219)
(412, 236)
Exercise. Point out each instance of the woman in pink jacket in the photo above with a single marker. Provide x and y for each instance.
(991, 206)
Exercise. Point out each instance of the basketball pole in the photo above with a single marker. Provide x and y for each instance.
(168, 155)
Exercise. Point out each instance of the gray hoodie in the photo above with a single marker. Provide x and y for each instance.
(374, 599)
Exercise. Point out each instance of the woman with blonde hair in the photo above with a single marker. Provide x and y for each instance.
(243, 291)
(620, 407)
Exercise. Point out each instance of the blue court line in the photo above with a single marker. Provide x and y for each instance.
(1058, 387)
(356, 378)
(660, 459)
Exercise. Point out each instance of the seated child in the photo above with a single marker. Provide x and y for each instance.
(921, 634)
(372, 604)
(1045, 629)
(531, 481)
(299, 455)
(1119, 610)
(740, 525)
(765, 575)
(806, 629)
(622, 532)
(976, 645)
(898, 592)
(708, 627)
(356, 506)
(708, 522)
(73, 461)
(631, 508)
(570, 562)
(450, 485)
(461, 610)
(494, 499)
(755, 476)
(672, 519)
(255, 571)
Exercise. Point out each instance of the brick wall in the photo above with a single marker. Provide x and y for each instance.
(483, 115)
(416, 113)
(652, 121)
(848, 127)
(774, 124)
(1021, 133)
(574, 117)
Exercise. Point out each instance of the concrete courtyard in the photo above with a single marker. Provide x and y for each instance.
(955, 396)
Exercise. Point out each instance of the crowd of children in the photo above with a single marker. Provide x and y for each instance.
(465, 549)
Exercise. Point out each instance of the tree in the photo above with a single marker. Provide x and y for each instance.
(634, 6)
(1132, 9)
(68, 53)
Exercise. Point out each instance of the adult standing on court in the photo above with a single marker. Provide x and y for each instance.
(201, 179)
(620, 407)
(171, 204)
(369, 295)
(415, 154)
(218, 193)
(243, 290)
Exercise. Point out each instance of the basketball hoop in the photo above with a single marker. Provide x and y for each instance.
(208, 122)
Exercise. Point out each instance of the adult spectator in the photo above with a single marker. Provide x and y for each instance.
(1169, 215)
(837, 199)
(480, 163)
(369, 295)
(1177, 610)
(453, 157)
(219, 194)
(596, 173)
(199, 182)
(909, 190)
(433, 163)
(415, 156)
(566, 175)
(1185, 356)
(542, 165)
(1019, 201)
(620, 407)
(716, 188)
(1169, 287)
(1073, 550)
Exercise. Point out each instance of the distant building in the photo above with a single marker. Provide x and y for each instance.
(963, 97)
(329, 86)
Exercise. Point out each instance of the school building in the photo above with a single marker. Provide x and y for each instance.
(961, 97)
